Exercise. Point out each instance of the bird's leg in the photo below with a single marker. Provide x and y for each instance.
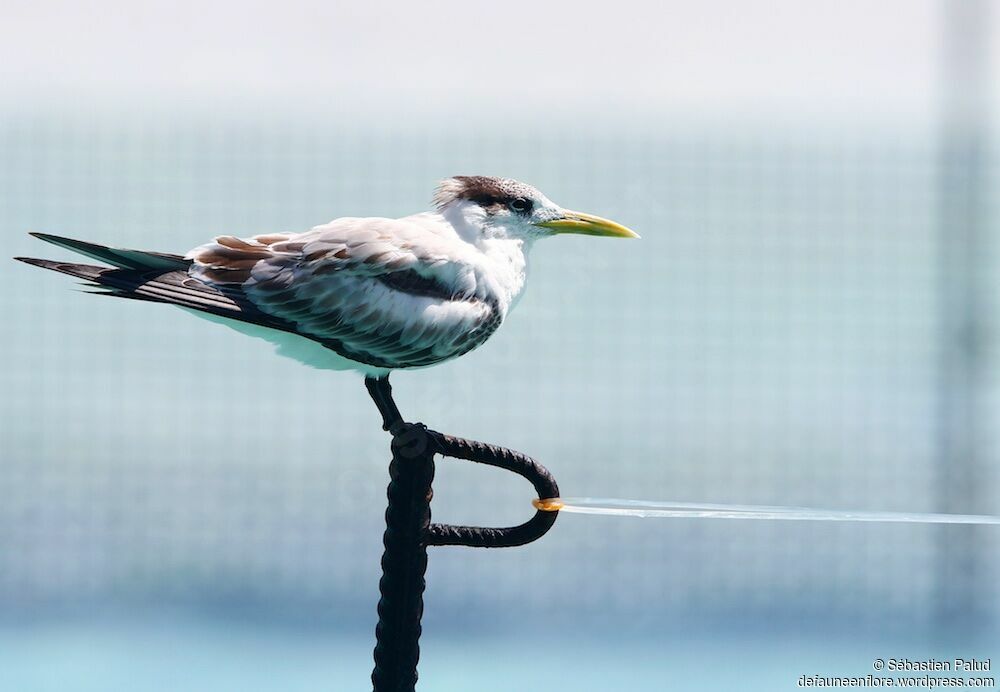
(381, 393)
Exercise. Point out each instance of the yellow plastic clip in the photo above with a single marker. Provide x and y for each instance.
(551, 504)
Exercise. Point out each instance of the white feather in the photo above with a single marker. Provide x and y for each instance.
(334, 283)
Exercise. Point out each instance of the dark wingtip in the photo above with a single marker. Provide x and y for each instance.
(32, 260)
(48, 237)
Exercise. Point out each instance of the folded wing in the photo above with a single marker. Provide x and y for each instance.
(384, 292)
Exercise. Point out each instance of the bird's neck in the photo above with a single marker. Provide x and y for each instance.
(505, 269)
(500, 264)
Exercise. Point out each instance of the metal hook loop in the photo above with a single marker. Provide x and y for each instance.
(501, 457)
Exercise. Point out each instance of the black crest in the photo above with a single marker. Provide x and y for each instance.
(492, 194)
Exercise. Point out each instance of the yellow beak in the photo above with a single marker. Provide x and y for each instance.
(587, 224)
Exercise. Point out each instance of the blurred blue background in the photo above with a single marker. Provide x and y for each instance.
(809, 319)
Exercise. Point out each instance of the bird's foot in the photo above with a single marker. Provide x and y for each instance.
(381, 393)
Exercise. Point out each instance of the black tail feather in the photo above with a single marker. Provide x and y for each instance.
(118, 257)
(173, 287)
(82, 271)
(158, 278)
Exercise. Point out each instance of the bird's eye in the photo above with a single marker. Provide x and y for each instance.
(520, 205)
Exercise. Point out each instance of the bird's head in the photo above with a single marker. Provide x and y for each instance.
(503, 208)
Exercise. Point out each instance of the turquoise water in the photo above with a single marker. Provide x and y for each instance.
(774, 338)
(159, 653)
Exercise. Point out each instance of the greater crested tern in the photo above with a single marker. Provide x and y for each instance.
(369, 294)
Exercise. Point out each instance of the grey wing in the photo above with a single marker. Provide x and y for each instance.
(387, 293)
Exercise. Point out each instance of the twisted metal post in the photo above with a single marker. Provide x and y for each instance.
(408, 530)
(404, 562)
